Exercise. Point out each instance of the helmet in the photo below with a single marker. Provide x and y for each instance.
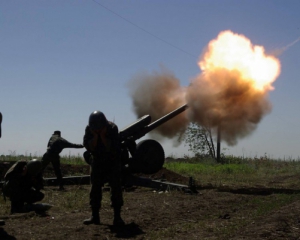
(97, 120)
(57, 133)
(33, 167)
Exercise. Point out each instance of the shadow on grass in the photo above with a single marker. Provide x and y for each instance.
(128, 231)
(258, 191)
(261, 191)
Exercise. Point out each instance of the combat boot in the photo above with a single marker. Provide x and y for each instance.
(118, 221)
(94, 219)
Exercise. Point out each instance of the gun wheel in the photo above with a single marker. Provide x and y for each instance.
(149, 157)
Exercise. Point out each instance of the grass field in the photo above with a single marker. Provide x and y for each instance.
(233, 170)
(261, 196)
(222, 210)
(249, 172)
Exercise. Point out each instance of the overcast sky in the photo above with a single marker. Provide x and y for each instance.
(61, 60)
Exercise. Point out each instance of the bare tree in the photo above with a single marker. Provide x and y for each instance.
(200, 140)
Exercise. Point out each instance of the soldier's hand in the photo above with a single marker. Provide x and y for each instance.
(94, 132)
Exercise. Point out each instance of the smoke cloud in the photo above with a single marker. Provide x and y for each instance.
(230, 94)
(278, 52)
(157, 94)
(224, 99)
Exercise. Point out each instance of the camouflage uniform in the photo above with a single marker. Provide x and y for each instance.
(105, 167)
(21, 189)
(55, 145)
(2, 222)
(0, 123)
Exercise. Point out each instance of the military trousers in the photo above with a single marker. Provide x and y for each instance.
(99, 177)
(55, 161)
(29, 196)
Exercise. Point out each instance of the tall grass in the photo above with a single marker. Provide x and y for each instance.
(236, 171)
(65, 159)
(77, 160)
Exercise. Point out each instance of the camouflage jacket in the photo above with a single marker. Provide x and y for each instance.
(56, 144)
(0, 123)
(16, 185)
(108, 155)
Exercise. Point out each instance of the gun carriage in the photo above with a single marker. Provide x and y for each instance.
(148, 155)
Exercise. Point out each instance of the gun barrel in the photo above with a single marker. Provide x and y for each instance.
(166, 118)
(134, 128)
(160, 121)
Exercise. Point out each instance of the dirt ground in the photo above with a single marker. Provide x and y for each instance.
(213, 213)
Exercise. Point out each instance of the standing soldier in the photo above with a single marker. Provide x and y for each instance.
(101, 140)
(0, 123)
(55, 145)
(2, 222)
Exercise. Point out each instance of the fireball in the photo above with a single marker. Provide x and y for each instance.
(235, 52)
(231, 93)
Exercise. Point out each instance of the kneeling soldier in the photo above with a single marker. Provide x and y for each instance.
(22, 185)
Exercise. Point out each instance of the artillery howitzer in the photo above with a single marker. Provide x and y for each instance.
(146, 157)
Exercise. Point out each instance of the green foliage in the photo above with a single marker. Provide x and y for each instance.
(66, 159)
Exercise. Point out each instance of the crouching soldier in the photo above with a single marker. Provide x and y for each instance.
(22, 185)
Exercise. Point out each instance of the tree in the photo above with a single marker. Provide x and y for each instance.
(200, 140)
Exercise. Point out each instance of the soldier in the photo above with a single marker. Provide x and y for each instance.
(2, 222)
(22, 185)
(101, 140)
(0, 123)
(55, 145)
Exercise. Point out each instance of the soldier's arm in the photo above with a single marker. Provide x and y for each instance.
(15, 190)
(116, 147)
(66, 144)
(116, 154)
(90, 140)
(116, 140)
(37, 182)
